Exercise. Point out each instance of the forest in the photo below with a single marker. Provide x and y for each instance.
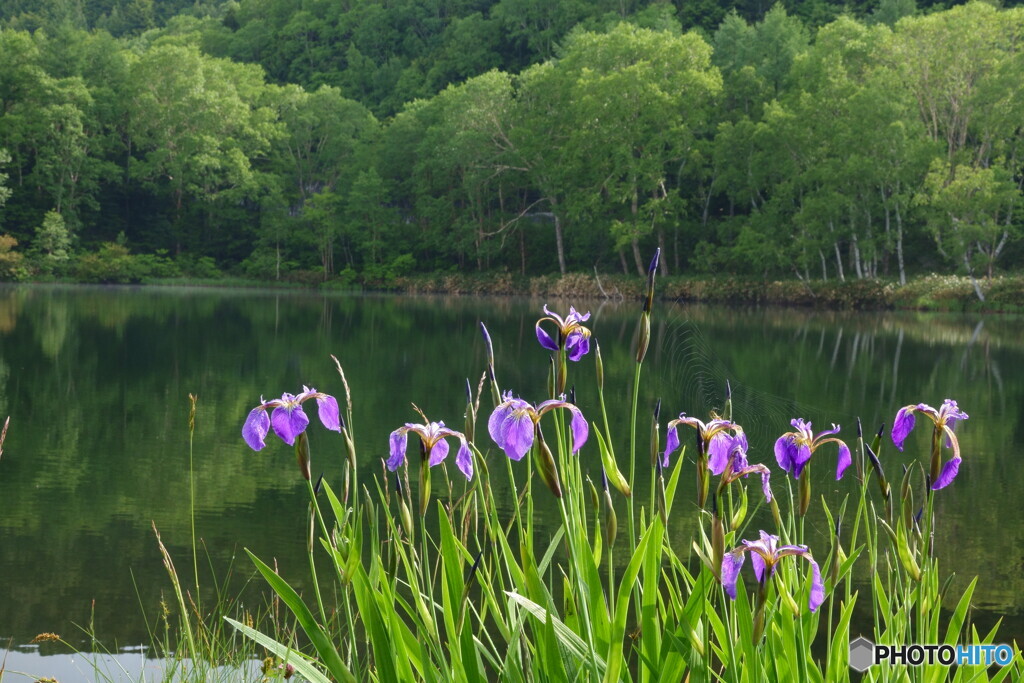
(360, 140)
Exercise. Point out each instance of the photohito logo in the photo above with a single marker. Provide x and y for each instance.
(864, 654)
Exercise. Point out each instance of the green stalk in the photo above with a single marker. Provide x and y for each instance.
(632, 455)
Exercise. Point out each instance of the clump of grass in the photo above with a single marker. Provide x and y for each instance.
(472, 590)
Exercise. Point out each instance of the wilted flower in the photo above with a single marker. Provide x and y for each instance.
(288, 418)
(793, 450)
(513, 423)
(944, 419)
(572, 336)
(435, 448)
(765, 555)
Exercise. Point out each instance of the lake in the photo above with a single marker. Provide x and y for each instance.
(97, 384)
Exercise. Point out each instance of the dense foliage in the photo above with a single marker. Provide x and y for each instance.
(368, 140)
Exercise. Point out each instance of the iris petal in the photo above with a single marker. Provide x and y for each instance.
(578, 345)
(545, 340)
(948, 474)
(580, 430)
(732, 562)
(517, 434)
(718, 453)
(801, 456)
(255, 429)
(399, 441)
(496, 420)
(464, 460)
(844, 460)
(327, 407)
(817, 586)
(289, 422)
(784, 452)
(902, 425)
(671, 444)
(759, 566)
(438, 453)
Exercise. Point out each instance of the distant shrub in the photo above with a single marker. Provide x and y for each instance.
(12, 264)
(198, 267)
(111, 264)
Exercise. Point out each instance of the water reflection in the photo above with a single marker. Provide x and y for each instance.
(97, 381)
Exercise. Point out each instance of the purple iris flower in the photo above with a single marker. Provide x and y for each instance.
(714, 438)
(734, 465)
(571, 335)
(764, 555)
(944, 419)
(288, 418)
(793, 450)
(436, 448)
(512, 425)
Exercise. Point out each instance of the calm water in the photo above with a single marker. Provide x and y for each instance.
(96, 381)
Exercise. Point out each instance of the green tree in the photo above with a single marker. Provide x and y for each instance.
(53, 241)
(196, 125)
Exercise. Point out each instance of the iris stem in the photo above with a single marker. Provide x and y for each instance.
(632, 455)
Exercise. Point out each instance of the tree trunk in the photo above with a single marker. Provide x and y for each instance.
(899, 246)
(622, 259)
(824, 267)
(558, 244)
(638, 259)
(663, 262)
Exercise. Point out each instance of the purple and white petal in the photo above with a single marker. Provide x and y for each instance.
(255, 429)
(497, 419)
(398, 443)
(948, 473)
(289, 421)
(330, 415)
(438, 452)
(732, 562)
(901, 425)
(517, 434)
(464, 460)
(844, 460)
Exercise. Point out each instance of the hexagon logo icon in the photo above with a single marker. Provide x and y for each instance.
(862, 654)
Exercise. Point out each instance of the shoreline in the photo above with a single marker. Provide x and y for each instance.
(942, 293)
